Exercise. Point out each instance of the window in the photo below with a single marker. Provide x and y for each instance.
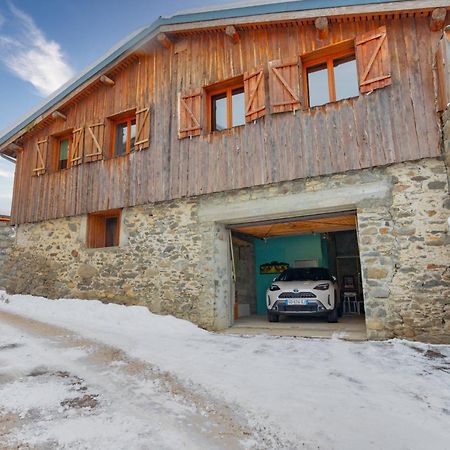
(226, 105)
(103, 229)
(331, 74)
(124, 135)
(64, 150)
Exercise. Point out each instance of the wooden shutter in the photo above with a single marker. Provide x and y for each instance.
(77, 147)
(96, 231)
(441, 73)
(373, 60)
(189, 112)
(255, 101)
(142, 129)
(41, 156)
(94, 141)
(284, 85)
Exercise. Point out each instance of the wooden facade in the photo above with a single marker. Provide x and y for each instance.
(180, 157)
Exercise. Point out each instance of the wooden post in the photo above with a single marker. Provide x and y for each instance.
(232, 33)
(437, 19)
(164, 40)
(58, 115)
(106, 81)
(321, 24)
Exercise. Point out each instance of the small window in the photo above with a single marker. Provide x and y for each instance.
(103, 229)
(64, 148)
(331, 75)
(124, 136)
(226, 105)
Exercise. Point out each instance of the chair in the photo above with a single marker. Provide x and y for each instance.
(351, 304)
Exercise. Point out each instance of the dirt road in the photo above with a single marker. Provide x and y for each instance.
(58, 389)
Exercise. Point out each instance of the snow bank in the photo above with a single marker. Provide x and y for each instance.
(328, 393)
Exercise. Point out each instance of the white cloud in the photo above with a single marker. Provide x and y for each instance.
(32, 57)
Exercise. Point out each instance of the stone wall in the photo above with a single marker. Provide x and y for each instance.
(404, 249)
(173, 256)
(6, 242)
(161, 262)
(446, 138)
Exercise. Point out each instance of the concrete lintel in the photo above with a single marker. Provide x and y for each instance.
(295, 205)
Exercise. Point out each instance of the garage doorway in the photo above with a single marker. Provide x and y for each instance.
(262, 250)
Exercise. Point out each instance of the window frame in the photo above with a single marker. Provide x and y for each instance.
(58, 138)
(326, 56)
(102, 215)
(224, 87)
(116, 121)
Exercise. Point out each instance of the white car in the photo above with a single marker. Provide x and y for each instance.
(303, 292)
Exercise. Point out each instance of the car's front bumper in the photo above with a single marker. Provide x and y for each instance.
(311, 308)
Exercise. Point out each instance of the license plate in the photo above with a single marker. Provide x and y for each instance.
(296, 301)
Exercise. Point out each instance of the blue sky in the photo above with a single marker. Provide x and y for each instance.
(45, 42)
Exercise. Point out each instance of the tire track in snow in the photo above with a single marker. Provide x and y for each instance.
(219, 424)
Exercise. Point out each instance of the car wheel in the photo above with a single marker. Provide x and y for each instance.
(333, 316)
(273, 317)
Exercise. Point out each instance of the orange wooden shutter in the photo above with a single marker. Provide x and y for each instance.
(41, 156)
(189, 112)
(372, 56)
(77, 147)
(142, 129)
(441, 73)
(255, 101)
(96, 231)
(284, 85)
(95, 136)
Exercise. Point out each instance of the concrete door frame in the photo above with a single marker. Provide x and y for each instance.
(221, 215)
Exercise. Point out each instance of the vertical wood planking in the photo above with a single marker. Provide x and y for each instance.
(390, 125)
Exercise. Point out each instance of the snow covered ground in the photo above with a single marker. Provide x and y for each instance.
(125, 378)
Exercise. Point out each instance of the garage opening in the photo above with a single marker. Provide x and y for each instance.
(302, 299)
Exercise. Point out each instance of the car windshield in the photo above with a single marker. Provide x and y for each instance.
(304, 274)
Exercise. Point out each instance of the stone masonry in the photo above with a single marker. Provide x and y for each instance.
(405, 256)
(6, 242)
(446, 138)
(168, 258)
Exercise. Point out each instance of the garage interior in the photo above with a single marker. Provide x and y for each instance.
(261, 250)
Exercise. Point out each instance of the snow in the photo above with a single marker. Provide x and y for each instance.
(38, 384)
(308, 393)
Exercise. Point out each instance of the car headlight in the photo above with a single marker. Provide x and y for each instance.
(322, 286)
(274, 287)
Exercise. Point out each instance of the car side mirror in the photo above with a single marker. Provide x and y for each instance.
(334, 278)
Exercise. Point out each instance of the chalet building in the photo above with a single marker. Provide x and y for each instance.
(214, 148)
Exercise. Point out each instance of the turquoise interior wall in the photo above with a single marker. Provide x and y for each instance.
(285, 249)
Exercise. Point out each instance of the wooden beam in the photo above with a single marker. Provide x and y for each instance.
(106, 81)
(437, 19)
(321, 24)
(232, 33)
(15, 147)
(164, 40)
(58, 115)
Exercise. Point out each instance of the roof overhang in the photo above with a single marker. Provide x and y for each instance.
(198, 20)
